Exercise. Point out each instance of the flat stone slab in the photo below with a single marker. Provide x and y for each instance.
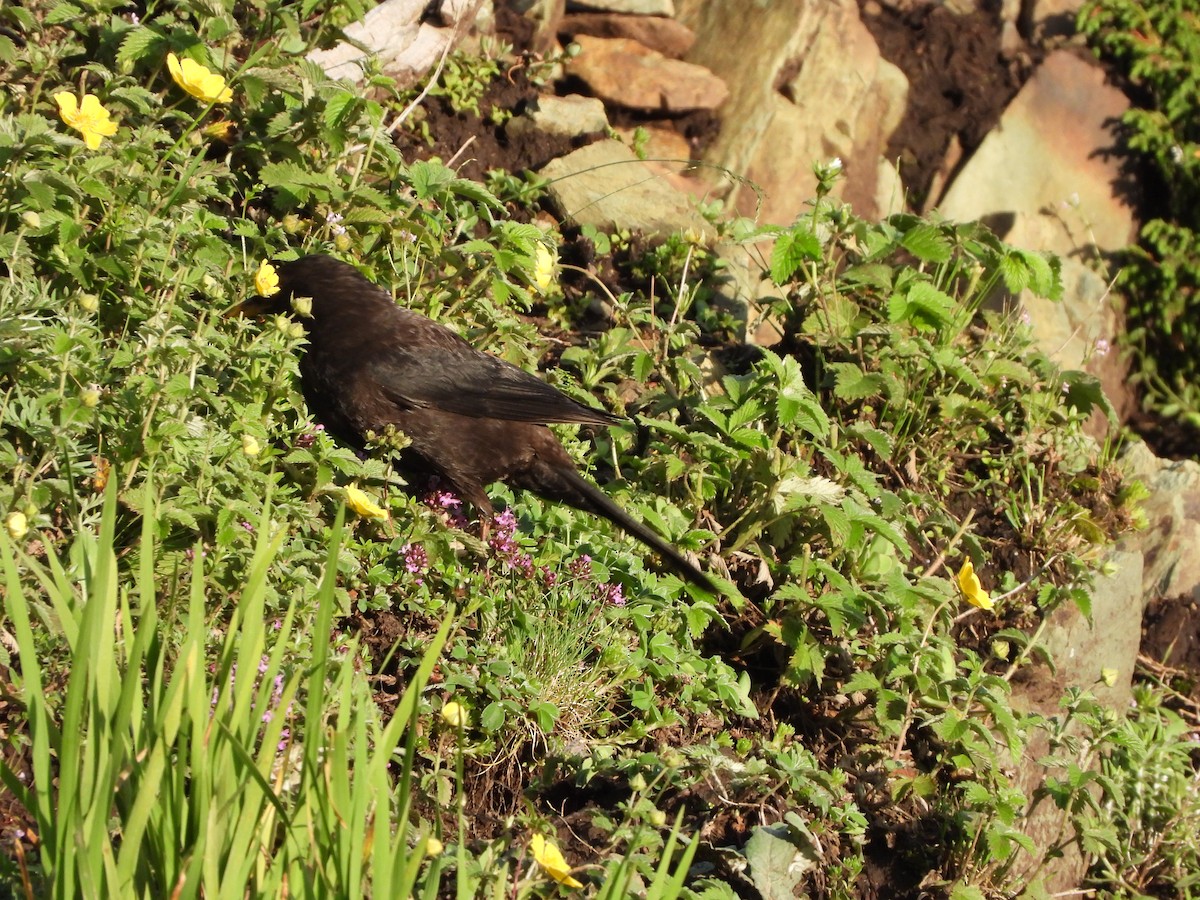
(626, 73)
(606, 186)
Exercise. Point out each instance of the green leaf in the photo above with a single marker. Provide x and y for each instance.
(791, 250)
(1015, 272)
(428, 178)
(338, 108)
(138, 44)
(778, 859)
(927, 243)
(852, 383)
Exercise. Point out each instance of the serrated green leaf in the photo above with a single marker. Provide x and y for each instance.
(879, 441)
(138, 44)
(852, 383)
(928, 305)
(62, 13)
(338, 108)
(1015, 272)
(791, 249)
(428, 178)
(927, 243)
(473, 190)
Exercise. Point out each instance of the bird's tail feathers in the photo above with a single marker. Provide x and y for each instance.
(568, 486)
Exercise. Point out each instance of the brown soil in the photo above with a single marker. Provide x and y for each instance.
(1171, 645)
(959, 81)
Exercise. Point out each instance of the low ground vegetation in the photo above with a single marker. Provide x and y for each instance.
(239, 660)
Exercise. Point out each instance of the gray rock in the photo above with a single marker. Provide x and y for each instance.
(393, 31)
(1081, 651)
(570, 116)
(1171, 543)
(605, 185)
(625, 73)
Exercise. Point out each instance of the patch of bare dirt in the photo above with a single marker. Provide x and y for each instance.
(959, 81)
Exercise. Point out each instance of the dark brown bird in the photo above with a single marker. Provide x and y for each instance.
(473, 419)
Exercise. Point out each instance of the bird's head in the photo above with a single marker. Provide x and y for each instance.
(311, 287)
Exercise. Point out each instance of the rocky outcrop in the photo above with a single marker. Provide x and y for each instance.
(407, 37)
(1050, 173)
(806, 84)
(606, 186)
(626, 73)
(666, 36)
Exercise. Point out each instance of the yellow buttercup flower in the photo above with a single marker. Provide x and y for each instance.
(543, 267)
(454, 715)
(364, 505)
(968, 583)
(198, 80)
(550, 858)
(266, 279)
(222, 131)
(86, 116)
(16, 525)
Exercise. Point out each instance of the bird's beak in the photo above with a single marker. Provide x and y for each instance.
(255, 307)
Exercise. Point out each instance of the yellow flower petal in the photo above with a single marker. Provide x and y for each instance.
(87, 116)
(266, 279)
(543, 267)
(550, 858)
(968, 583)
(454, 715)
(199, 81)
(364, 505)
(222, 131)
(17, 525)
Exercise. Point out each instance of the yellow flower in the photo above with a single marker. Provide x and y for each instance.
(543, 267)
(968, 583)
(17, 525)
(363, 505)
(551, 859)
(433, 847)
(86, 116)
(454, 715)
(220, 131)
(198, 80)
(266, 279)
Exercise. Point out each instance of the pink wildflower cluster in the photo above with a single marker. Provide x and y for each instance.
(445, 501)
(309, 437)
(611, 593)
(504, 544)
(285, 734)
(416, 560)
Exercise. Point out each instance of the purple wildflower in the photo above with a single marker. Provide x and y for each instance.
(611, 594)
(309, 437)
(416, 560)
(581, 567)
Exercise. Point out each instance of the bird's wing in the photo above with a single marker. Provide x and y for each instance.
(463, 381)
